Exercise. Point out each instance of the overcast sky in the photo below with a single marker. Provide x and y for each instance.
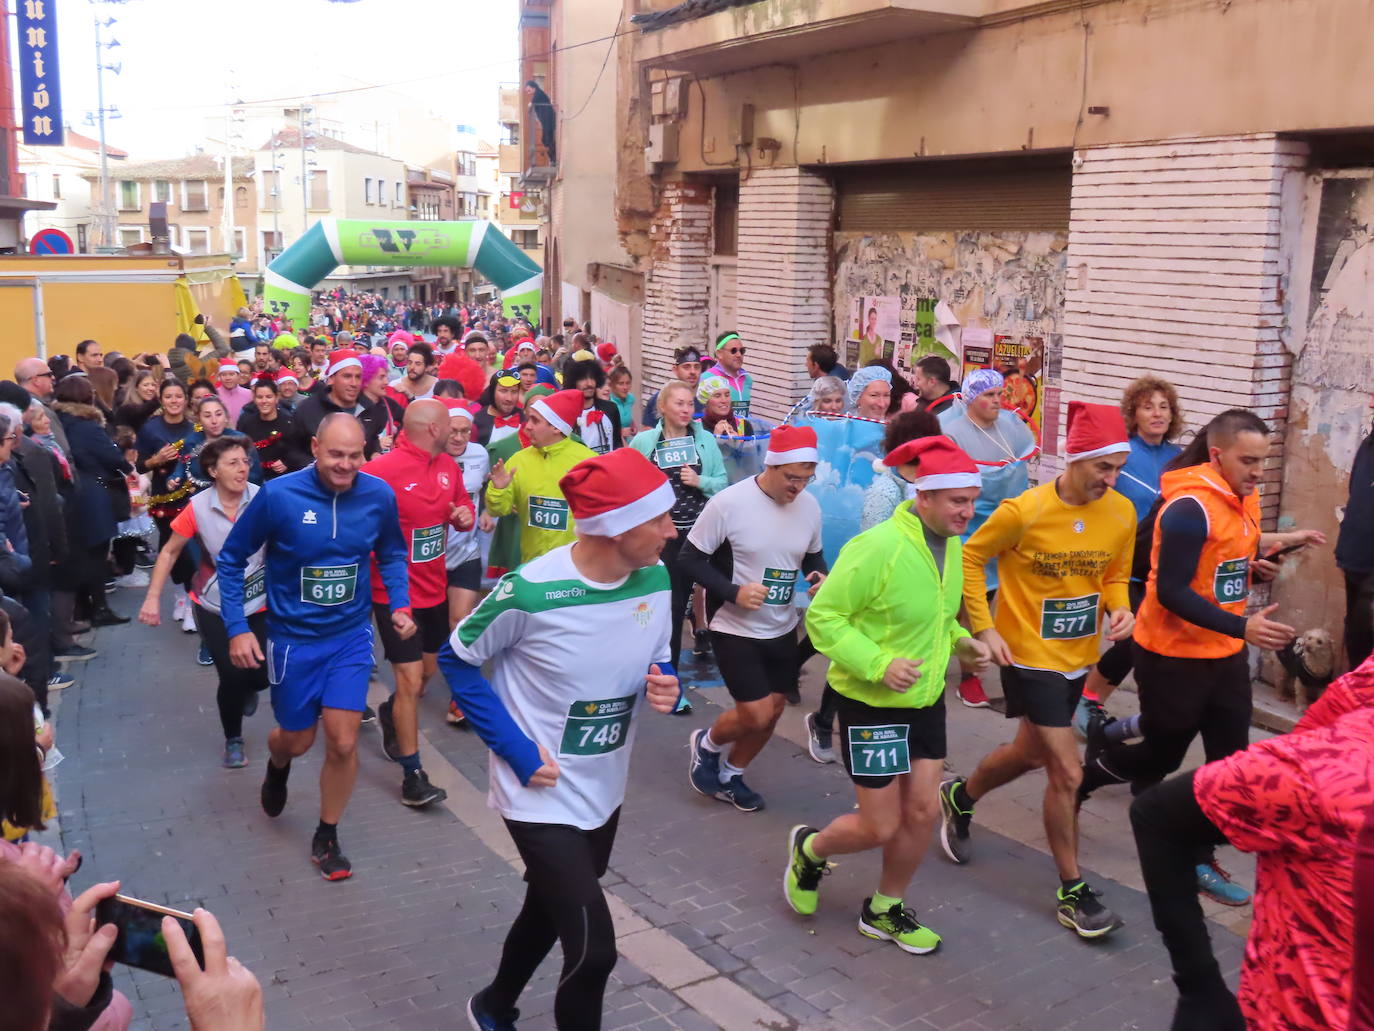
(180, 58)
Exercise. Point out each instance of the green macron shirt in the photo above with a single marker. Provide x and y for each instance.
(885, 600)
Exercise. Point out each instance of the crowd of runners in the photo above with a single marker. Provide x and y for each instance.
(489, 502)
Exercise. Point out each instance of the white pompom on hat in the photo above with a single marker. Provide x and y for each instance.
(1094, 431)
(615, 492)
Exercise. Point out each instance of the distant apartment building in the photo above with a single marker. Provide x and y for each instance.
(57, 174)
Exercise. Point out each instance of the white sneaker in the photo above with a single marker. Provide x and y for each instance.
(180, 608)
(188, 621)
(138, 578)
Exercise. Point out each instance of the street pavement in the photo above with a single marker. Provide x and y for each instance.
(705, 937)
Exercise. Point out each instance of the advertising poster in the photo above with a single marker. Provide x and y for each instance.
(1020, 360)
(876, 328)
(977, 350)
(918, 337)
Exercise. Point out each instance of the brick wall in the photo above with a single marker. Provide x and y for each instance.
(1175, 268)
(676, 286)
(782, 300)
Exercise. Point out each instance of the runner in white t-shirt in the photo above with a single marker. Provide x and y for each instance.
(463, 553)
(559, 718)
(750, 546)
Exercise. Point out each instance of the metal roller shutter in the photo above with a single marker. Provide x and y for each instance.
(967, 195)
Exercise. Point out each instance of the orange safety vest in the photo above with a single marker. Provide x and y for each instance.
(1223, 572)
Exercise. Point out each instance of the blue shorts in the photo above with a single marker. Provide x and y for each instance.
(328, 674)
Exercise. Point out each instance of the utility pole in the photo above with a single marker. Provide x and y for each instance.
(107, 213)
(307, 137)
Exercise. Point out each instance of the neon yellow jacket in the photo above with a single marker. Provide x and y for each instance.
(536, 473)
(885, 600)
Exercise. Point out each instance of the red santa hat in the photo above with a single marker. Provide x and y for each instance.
(229, 363)
(1094, 431)
(940, 463)
(459, 410)
(342, 359)
(788, 444)
(605, 350)
(615, 492)
(560, 409)
(286, 374)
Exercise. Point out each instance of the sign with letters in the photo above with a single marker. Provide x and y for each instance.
(40, 88)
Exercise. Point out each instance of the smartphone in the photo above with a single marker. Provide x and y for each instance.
(1284, 551)
(140, 942)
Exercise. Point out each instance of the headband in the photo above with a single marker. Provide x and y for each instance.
(725, 340)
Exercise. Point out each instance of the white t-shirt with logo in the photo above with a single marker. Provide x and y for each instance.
(767, 544)
(465, 545)
(568, 660)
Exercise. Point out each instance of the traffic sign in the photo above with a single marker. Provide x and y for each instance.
(51, 241)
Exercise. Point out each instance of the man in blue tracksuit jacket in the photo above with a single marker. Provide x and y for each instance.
(319, 526)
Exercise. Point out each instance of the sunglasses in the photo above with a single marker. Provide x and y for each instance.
(734, 350)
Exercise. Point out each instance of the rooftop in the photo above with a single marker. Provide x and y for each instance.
(291, 137)
(198, 166)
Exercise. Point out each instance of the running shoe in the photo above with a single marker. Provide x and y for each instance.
(703, 767)
(1095, 735)
(334, 866)
(898, 926)
(417, 791)
(1079, 911)
(136, 578)
(683, 706)
(701, 644)
(1217, 885)
(483, 1019)
(74, 653)
(387, 725)
(820, 741)
(108, 617)
(250, 704)
(369, 714)
(740, 795)
(274, 789)
(954, 836)
(188, 621)
(233, 754)
(801, 883)
(179, 608)
(971, 693)
(1086, 709)
(203, 657)
(455, 715)
(60, 682)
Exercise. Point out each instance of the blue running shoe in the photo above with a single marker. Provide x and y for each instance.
(703, 767)
(740, 795)
(1217, 885)
(203, 657)
(234, 758)
(482, 1019)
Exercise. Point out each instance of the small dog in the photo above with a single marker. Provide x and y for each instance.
(1311, 661)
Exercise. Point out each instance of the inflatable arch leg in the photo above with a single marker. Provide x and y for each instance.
(332, 242)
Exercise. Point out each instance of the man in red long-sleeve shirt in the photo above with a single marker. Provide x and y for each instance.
(430, 496)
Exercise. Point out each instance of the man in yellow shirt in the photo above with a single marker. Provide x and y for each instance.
(1063, 553)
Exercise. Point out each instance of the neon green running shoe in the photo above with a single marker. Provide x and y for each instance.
(899, 926)
(801, 882)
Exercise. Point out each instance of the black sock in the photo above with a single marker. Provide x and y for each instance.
(327, 831)
(1069, 884)
(276, 772)
(961, 796)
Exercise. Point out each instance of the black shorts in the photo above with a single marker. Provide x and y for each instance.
(865, 733)
(754, 668)
(1045, 698)
(468, 576)
(431, 631)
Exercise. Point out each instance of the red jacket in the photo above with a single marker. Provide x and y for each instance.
(426, 486)
(466, 371)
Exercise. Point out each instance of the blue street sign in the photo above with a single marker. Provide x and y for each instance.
(51, 241)
(40, 89)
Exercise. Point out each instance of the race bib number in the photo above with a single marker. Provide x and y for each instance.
(780, 583)
(596, 728)
(740, 408)
(427, 543)
(329, 585)
(1232, 581)
(254, 587)
(1068, 619)
(548, 513)
(675, 453)
(879, 751)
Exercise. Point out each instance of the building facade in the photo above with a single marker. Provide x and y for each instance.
(57, 174)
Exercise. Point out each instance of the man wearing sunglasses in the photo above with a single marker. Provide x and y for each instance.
(686, 367)
(34, 376)
(729, 352)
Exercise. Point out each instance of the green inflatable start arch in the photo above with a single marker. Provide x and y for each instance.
(332, 242)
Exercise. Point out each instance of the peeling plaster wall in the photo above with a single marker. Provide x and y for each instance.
(1333, 374)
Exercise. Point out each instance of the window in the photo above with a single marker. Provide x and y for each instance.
(483, 203)
(400, 196)
(82, 239)
(57, 187)
(162, 191)
(196, 241)
(367, 191)
(526, 239)
(194, 195)
(240, 243)
(240, 198)
(271, 191)
(319, 190)
(271, 245)
(129, 198)
(130, 235)
(219, 196)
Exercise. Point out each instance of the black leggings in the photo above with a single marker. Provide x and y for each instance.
(1116, 661)
(1359, 617)
(564, 902)
(1179, 699)
(830, 699)
(1170, 829)
(235, 685)
(681, 582)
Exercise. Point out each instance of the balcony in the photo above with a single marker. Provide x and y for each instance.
(512, 102)
(782, 31)
(510, 160)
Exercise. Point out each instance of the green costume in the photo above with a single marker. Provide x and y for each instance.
(534, 497)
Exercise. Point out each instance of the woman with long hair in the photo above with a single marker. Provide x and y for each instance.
(161, 443)
(207, 519)
(271, 431)
(138, 402)
(212, 419)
